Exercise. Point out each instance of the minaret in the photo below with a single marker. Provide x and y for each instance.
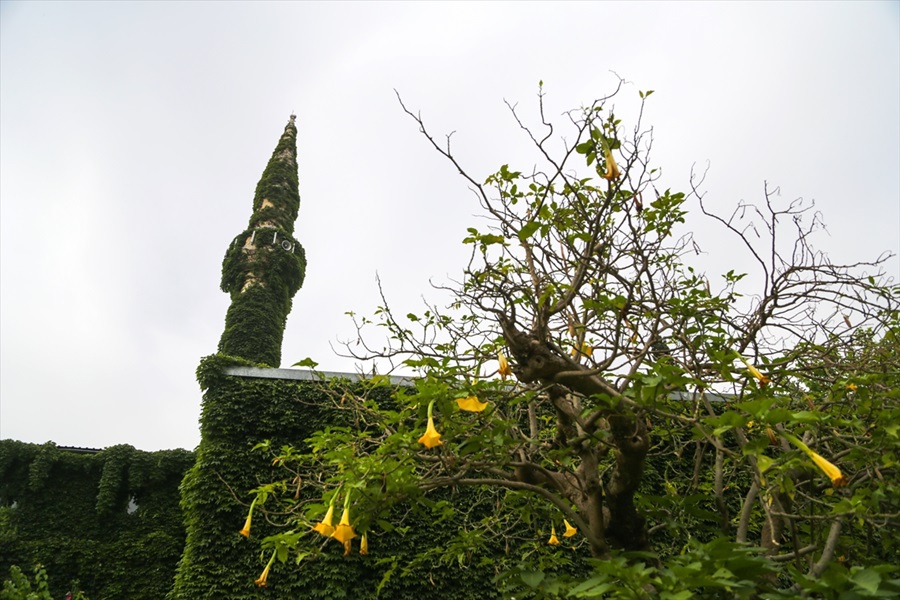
(264, 266)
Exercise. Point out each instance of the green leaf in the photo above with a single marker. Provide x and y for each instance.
(532, 579)
(764, 462)
(385, 525)
(682, 595)
(584, 147)
(306, 362)
(591, 588)
(778, 415)
(867, 579)
(528, 230)
(805, 416)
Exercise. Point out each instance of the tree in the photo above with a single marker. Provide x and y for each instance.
(585, 365)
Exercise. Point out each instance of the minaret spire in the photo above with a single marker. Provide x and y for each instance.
(264, 266)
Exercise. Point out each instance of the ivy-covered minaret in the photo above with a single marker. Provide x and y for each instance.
(264, 266)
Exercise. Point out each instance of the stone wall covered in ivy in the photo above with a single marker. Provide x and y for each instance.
(106, 522)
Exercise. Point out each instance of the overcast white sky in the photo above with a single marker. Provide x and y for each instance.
(132, 136)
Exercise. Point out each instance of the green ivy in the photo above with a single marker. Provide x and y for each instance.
(265, 266)
(69, 512)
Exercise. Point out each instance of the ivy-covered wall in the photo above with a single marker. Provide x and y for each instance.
(105, 522)
(115, 525)
(219, 563)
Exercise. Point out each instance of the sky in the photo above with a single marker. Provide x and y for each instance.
(132, 136)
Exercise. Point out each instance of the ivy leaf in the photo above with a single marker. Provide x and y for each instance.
(533, 579)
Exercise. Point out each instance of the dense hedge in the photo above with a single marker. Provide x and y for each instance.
(107, 522)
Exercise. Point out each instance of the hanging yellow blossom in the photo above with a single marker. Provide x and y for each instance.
(246, 530)
(431, 438)
(633, 337)
(612, 169)
(834, 474)
(325, 527)
(504, 370)
(585, 350)
(852, 387)
(553, 541)
(570, 531)
(344, 531)
(348, 547)
(261, 582)
(364, 544)
(763, 380)
(471, 404)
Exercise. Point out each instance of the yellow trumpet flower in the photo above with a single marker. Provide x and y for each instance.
(246, 530)
(431, 438)
(261, 582)
(553, 541)
(570, 531)
(834, 474)
(504, 370)
(348, 547)
(364, 544)
(344, 531)
(612, 169)
(325, 527)
(471, 404)
(762, 379)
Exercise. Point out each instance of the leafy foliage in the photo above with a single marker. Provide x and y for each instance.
(700, 438)
(218, 561)
(19, 587)
(107, 522)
